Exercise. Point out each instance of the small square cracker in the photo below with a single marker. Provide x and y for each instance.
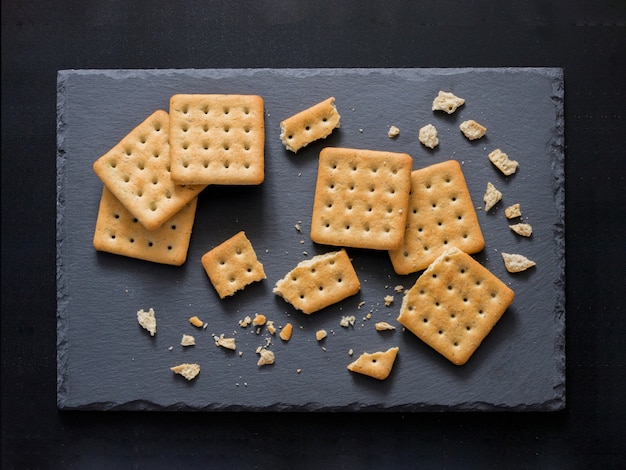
(217, 139)
(377, 364)
(314, 123)
(119, 232)
(361, 198)
(441, 214)
(454, 305)
(319, 282)
(232, 265)
(137, 172)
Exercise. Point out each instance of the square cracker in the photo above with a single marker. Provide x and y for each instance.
(454, 305)
(217, 139)
(232, 265)
(361, 198)
(441, 214)
(319, 282)
(314, 123)
(137, 172)
(119, 232)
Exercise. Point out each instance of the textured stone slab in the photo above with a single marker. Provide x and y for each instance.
(107, 361)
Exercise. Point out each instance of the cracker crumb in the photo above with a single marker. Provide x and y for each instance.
(472, 130)
(171, 348)
(446, 101)
(195, 321)
(267, 357)
(350, 352)
(298, 228)
(188, 340)
(285, 333)
(428, 136)
(228, 343)
(347, 321)
(384, 326)
(245, 322)
(368, 316)
(298, 370)
(270, 327)
(320, 335)
(492, 196)
(513, 211)
(525, 230)
(259, 319)
(147, 320)
(394, 131)
(360, 305)
(189, 371)
(502, 162)
(388, 300)
(399, 288)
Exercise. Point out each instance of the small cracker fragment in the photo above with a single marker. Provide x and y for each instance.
(454, 305)
(195, 321)
(383, 326)
(189, 371)
(388, 300)
(227, 343)
(525, 230)
(447, 101)
(147, 320)
(259, 320)
(513, 211)
(472, 130)
(377, 365)
(232, 265)
(188, 340)
(286, 332)
(492, 196)
(502, 162)
(267, 357)
(428, 136)
(320, 335)
(361, 198)
(217, 139)
(319, 282)
(311, 124)
(347, 321)
(137, 172)
(515, 263)
(393, 131)
(119, 232)
(441, 214)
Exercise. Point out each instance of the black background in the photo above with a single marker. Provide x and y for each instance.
(587, 38)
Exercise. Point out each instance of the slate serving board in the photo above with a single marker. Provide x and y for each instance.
(106, 361)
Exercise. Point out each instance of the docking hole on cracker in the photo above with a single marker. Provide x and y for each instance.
(377, 365)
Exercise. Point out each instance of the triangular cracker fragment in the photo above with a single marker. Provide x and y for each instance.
(502, 162)
(314, 123)
(492, 196)
(441, 214)
(319, 282)
(377, 365)
(137, 172)
(513, 211)
(147, 320)
(232, 265)
(189, 371)
(472, 130)
(361, 198)
(217, 139)
(525, 230)
(119, 232)
(454, 305)
(446, 101)
(515, 263)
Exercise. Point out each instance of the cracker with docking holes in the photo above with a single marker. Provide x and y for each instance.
(454, 305)
(377, 365)
(309, 125)
(361, 198)
(232, 265)
(319, 282)
(441, 214)
(119, 232)
(137, 172)
(217, 139)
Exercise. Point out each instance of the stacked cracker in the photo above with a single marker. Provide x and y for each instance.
(153, 176)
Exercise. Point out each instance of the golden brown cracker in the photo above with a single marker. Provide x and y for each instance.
(377, 365)
(314, 123)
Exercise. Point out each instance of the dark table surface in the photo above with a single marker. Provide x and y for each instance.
(587, 39)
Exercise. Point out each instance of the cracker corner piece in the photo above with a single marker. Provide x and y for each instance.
(119, 232)
(309, 125)
(454, 305)
(319, 282)
(441, 214)
(361, 198)
(137, 172)
(232, 265)
(217, 139)
(377, 365)
(189, 371)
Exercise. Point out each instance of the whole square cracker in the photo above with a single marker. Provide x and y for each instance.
(119, 232)
(137, 172)
(441, 214)
(232, 265)
(217, 139)
(361, 198)
(454, 305)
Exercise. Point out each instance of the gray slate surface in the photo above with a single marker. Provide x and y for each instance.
(106, 361)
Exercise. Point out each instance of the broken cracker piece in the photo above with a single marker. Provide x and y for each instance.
(383, 326)
(516, 263)
(189, 371)
(492, 196)
(447, 101)
(377, 365)
(502, 162)
(513, 211)
(525, 230)
(147, 320)
(428, 136)
(267, 357)
(472, 130)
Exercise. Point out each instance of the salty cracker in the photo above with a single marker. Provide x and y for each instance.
(217, 139)
(137, 172)
(314, 123)
(120, 233)
(441, 214)
(502, 162)
(319, 282)
(454, 305)
(232, 265)
(377, 365)
(361, 198)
